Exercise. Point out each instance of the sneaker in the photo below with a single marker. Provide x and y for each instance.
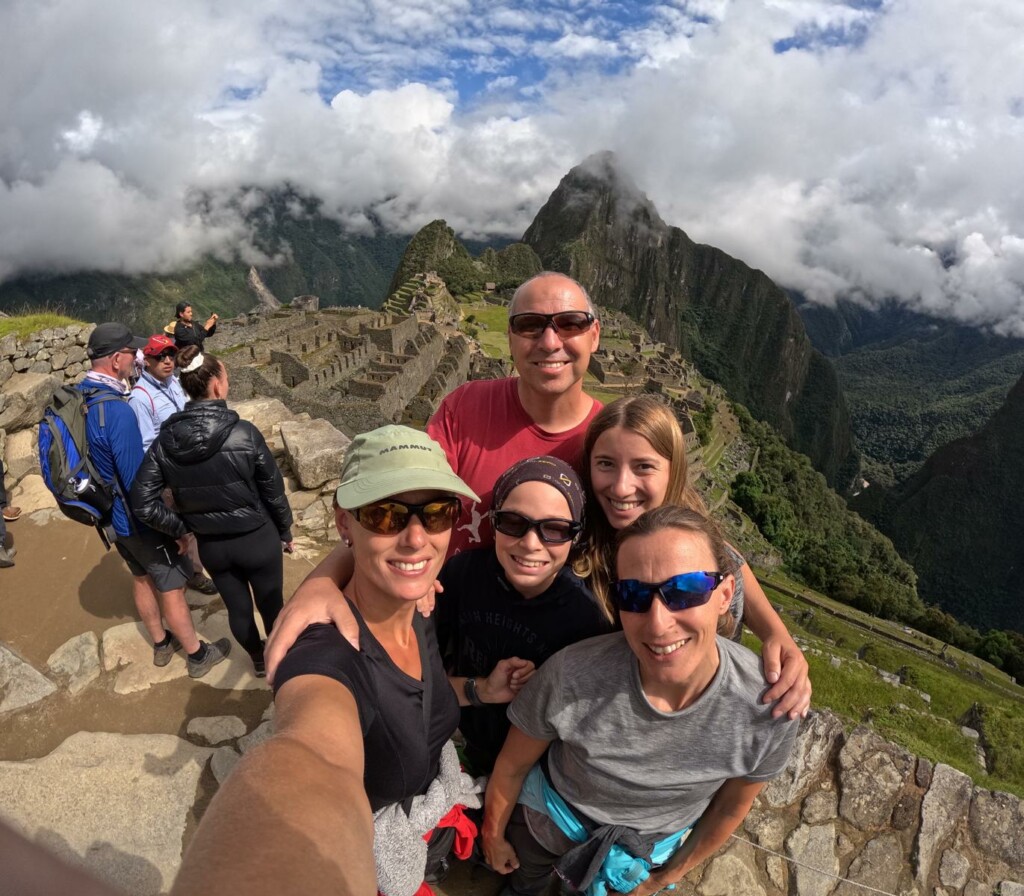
(259, 664)
(215, 653)
(7, 557)
(11, 514)
(202, 584)
(162, 654)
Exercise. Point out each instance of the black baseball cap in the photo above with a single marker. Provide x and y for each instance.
(111, 337)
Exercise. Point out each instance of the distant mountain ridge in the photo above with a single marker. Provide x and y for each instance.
(318, 255)
(960, 521)
(913, 382)
(739, 327)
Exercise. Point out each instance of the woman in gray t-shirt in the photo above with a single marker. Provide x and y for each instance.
(658, 740)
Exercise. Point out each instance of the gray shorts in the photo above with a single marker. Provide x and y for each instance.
(156, 555)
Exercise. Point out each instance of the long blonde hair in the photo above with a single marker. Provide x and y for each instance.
(647, 417)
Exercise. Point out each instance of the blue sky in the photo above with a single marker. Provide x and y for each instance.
(866, 149)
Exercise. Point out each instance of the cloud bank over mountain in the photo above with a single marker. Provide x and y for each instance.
(866, 149)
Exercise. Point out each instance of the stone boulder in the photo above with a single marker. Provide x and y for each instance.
(814, 847)
(943, 808)
(216, 729)
(315, 451)
(23, 685)
(24, 398)
(31, 494)
(878, 866)
(997, 825)
(263, 413)
(727, 875)
(77, 660)
(22, 454)
(816, 742)
(116, 804)
(872, 773)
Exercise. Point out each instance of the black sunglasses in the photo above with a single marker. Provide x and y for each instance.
(389, 517)
(565, 323)
(551, 530)
(163, 356)
(689, 589)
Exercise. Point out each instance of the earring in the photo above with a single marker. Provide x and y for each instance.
(346, 541)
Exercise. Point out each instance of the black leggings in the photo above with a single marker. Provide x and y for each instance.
(238, 562)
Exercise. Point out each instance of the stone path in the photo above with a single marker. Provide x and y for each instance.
(106, 759)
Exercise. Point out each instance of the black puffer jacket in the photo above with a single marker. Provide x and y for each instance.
(223, 477)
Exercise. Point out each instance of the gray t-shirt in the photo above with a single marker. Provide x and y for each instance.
(621, 761)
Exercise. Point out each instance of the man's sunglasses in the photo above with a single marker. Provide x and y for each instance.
(163, 356)
(389, 517)
(690, 589)
(551, 530)
(565, 323)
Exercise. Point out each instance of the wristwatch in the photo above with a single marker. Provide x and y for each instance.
(469, 689)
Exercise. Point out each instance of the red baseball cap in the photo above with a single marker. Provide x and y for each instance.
(159, 344)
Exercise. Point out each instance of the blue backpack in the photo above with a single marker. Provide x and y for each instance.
(69, 473)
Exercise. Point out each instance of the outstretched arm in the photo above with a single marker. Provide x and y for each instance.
(785, 668)
(317, 599)
(293, 816)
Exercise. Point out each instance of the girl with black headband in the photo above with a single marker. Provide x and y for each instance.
(516, 602)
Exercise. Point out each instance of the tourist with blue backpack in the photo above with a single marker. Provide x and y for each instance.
(156, 562)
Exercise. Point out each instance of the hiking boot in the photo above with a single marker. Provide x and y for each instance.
(202, 584)
(7, 557)
(259, 664)
(162, 653)
(215, 653)
(11, 514)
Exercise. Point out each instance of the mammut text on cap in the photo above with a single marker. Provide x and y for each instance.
(111, 337)
(392, 460)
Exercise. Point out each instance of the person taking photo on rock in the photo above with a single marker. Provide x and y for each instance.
(190, 332)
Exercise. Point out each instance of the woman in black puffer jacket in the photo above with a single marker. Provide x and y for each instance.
(227, 490)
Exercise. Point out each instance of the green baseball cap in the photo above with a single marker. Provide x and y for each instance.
(392, 460)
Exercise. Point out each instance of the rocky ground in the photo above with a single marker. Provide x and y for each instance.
(104, 758)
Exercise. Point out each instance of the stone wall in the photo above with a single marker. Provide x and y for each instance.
(60, 351)
(852, 805)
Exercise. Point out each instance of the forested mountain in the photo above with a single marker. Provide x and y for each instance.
(960, 521)
(912, 382)
(738, 326)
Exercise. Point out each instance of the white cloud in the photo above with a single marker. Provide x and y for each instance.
(888, 167)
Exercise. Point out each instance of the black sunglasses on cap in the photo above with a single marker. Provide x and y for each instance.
(551, 530)
(565, 323)
(689, 589)
(389, 517)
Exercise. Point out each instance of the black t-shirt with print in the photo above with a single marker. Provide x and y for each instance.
(482, 619)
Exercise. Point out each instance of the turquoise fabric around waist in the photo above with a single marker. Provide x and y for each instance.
(621, 871)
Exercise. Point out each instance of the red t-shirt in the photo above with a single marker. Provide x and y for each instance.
(484, 429)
